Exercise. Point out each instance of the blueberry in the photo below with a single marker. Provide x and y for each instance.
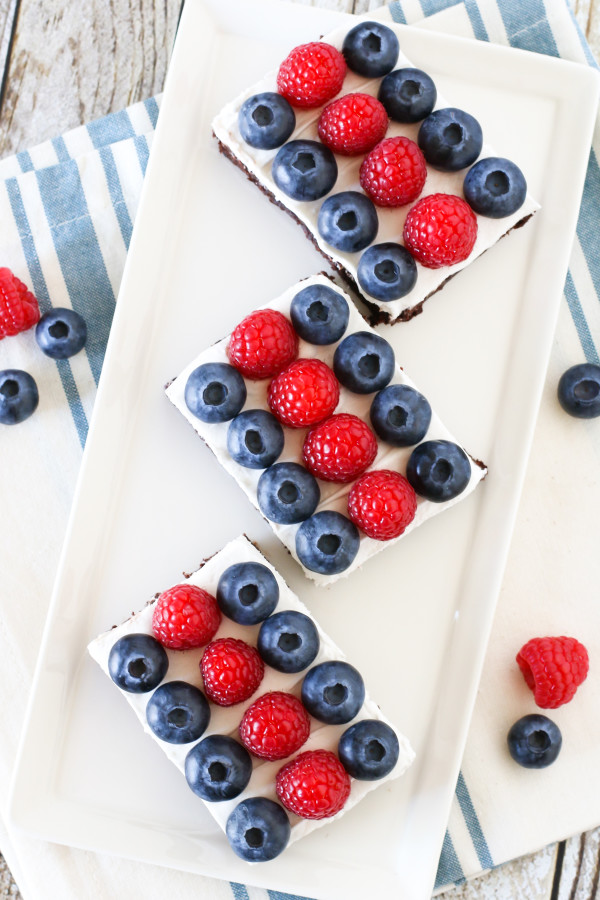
(578, 391)
(438, 470)
(408, 95)
(364, 362)
(247, 592)
(218, 768)
(19, 396)
(333, 692)
(215, 392)
(371, 49)
(61, 333)
(304, 170)
(258, 829)
(400, 415)
(387, 271)
(319, 314)
(369, 750)
(495, 187)
(348, 221)
(287, 493)
(288, 641)
(534, 741)
(266, 120)
(137, 663)
(327, 543)
(450, 139)
(178, 712)
(255, 439)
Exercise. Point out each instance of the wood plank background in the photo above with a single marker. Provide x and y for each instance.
(66, 63)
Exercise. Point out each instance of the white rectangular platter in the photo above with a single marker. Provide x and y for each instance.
(207, 248)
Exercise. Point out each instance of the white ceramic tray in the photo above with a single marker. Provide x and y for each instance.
(206, 249)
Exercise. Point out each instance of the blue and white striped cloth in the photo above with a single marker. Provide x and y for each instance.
(67, 210)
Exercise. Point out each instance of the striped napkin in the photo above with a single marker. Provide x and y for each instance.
(66, 213)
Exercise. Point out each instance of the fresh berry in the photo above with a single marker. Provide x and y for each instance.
(353, 124)
(438, 470)
(319, 314)
(340, 449)
(578, 391)
(178, 712)
(288, 641)
(369, 750)
(258, 829)
(19, 309)
(333, 692)
(247, 592)
(371, 49)
(185, 616)
(61, 333)
(137, 663)
(400, 415)
(348, 221)
(255, 439)
(327, 543)
(394, 172)
(314, 785)
(218, 768)
(534, 741)
(262, 344)
(495, 187)
(440, 230)
(266, 120)
(303, 394)
(450, 139)
(382, 504)
(19, 396)
(408, 95)
(274, 726)
(311, 74)
(215, 392)
(553, 668)
(304, 170)
(387, 272)
(364, 362)
(287, 493)
(231, 670)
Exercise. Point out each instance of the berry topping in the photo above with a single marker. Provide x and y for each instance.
(215, 392)
(258, 829)
(304, 170)
(61, 333)
(137, 663)
(247, 592)
(353, 124)
(369, 750)
(400, 415)
(438, 470)
(440, 230)
(371, 49)
(287, 493)
(333, 692)
(262, 344)
(231, 670)
(303, 394)
(387, 272)
(185, 616)
(394, 172)
(578, 391)
(274, 726)
(327, 543)
(288, 641)
(382, 504)
(495, 187)
(311, 74)
(408, 95)
(178, 712)
(218, 768)
(315, 785)
(340, 449)
(534, 741)
(319, 314)
(19, 309)
(255, 439)
(266, 120)
(450, 139)
(553, 668)
(348, 221)
(19, 396)
(364, 362)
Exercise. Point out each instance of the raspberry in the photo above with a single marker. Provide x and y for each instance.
(275, 726)
(394, 172)
(185, 616)
(262, 344)
(231, 671)
(440, 230)
(353, 124)
(303, 394)
(311, 75)
(315, 785)
(382, 504)
(553, 668)
(19, 309)
(340, 449)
